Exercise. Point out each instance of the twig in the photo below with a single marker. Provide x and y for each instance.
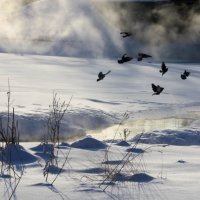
(61, 167)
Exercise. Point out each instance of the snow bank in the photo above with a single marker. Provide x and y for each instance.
(171, 137)
(123, 143)
(89, 143)
(42, 148)
(138, 177)
(16, 154)
(33, 127)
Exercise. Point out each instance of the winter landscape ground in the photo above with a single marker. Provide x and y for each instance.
(115, 139)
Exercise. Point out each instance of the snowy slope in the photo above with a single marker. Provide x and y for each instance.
(99, 104)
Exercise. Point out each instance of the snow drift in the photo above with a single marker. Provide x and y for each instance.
(171, 137)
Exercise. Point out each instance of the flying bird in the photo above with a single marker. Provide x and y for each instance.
(185, 75)
(157, 89)
(164, 69)
(125, 34)
(101, 75)
(142, 55)
(124, 58)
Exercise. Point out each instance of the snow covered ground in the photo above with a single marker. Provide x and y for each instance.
(159, 160)
(160, 172)
(96, 105)
(167, 167)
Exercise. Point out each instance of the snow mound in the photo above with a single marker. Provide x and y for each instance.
(171, 137)
(140, 177)
(42, 148)
(16, 154)
(135, 150)
(89, 143)
(123, 144)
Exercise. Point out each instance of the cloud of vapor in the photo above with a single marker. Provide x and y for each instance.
(167, 30)
(91, 28)
(58, 27)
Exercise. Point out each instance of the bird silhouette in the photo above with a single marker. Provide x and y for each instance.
(185, 75)
(142, 55)
(124, 59)
(157, 89)
(101, 75)
(164, 69)
(125, 34)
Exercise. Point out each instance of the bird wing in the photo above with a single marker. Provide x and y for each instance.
(144, 55)
(187, 73)
(124, 56)
(128, 59)
(107, 72)
(159, 89)
(154, 87)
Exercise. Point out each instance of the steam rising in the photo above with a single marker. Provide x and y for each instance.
(59, 27)
(164, 29)
(91, 29)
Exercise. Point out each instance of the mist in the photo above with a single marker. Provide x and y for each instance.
(167, 30)
(59, 27)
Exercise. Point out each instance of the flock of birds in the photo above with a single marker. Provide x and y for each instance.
(125, 58)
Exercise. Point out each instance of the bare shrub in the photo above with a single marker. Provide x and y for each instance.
(56, 113)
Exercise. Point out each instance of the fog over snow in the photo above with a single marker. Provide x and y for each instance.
(117, 139)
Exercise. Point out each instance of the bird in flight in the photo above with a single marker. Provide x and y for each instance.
(157, 89)
(125, 34)
(101, 75)
(142, 55)
(185, 75)
(124, 58)
(164, 69)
